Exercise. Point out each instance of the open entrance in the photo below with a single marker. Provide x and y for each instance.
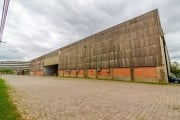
(51, 70)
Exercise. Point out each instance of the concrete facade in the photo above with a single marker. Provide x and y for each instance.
(134, 50)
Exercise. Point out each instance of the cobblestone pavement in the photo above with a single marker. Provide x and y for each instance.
(51, 98)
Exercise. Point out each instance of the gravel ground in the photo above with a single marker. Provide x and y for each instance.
(52, 98)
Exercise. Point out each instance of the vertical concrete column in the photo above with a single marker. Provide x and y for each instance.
(131, 66)
(111, 73)
(162, 71)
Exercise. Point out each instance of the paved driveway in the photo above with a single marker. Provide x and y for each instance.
(50, 98)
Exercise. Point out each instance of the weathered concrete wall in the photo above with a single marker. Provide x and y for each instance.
(51, 60)
(37, 66)
(133, 43)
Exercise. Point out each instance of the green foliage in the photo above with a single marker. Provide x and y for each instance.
(175, 68)
(7, 109)
(6, 71)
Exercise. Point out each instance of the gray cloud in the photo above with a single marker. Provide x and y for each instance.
(35, 27)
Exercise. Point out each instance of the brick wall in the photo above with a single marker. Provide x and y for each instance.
(142, 74)
(73, 73)
(80, 73)
(92, 73)
(121, 73)
(66, 73)
(39, 73)
(146, 74)
(104, 74)
(125, 72)
(61, 73)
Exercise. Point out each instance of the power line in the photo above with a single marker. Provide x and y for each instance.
(3, 18)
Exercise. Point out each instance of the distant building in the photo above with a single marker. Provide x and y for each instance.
(134, 50)
(17, 66)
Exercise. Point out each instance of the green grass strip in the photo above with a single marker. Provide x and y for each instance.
(7, 109)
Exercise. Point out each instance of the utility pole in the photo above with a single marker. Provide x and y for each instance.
(3, 18)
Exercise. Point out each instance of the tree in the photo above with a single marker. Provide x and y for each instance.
(175, 68)
(6, 71)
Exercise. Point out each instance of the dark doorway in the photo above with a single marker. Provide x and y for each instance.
(51, 70)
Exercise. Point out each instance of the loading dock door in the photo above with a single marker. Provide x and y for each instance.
(51, 70)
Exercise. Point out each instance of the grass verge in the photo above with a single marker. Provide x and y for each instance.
(7, 109)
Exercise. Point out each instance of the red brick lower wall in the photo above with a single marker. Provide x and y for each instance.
(104, 73)
(66, 74)
(125, 72)
(121, 74)
(92, 73)
(61, 73)
(141, 74)
(114, 73)
(149, 72)
(80, 73)
(73, 73)
(39, 73)
(145, 74)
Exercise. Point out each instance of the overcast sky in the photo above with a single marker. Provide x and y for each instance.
(36, 27)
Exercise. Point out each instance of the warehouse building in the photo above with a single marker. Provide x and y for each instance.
(134, 50)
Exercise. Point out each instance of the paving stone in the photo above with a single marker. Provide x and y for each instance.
(52, 98)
